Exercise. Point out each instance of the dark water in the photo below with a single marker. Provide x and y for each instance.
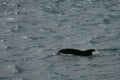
(32, 30)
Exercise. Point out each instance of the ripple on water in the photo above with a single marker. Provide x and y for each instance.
(46, 30)
(2, 45)
(17, 29)
(10, 19)
(9, 70)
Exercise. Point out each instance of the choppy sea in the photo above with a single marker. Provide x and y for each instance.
(32, 30)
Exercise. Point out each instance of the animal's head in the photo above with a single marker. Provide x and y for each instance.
(93, 51)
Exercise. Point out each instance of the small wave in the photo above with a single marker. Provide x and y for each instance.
(110, 49)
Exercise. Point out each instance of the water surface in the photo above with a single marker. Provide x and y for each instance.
(32, 30)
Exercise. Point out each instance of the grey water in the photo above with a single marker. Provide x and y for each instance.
(32, 30)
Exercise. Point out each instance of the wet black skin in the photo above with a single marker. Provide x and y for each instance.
(76, 52)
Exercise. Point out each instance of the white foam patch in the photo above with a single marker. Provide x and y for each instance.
(95, 52)
(10, 19)
(65, 54)
(62, 54)
(54, 53)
